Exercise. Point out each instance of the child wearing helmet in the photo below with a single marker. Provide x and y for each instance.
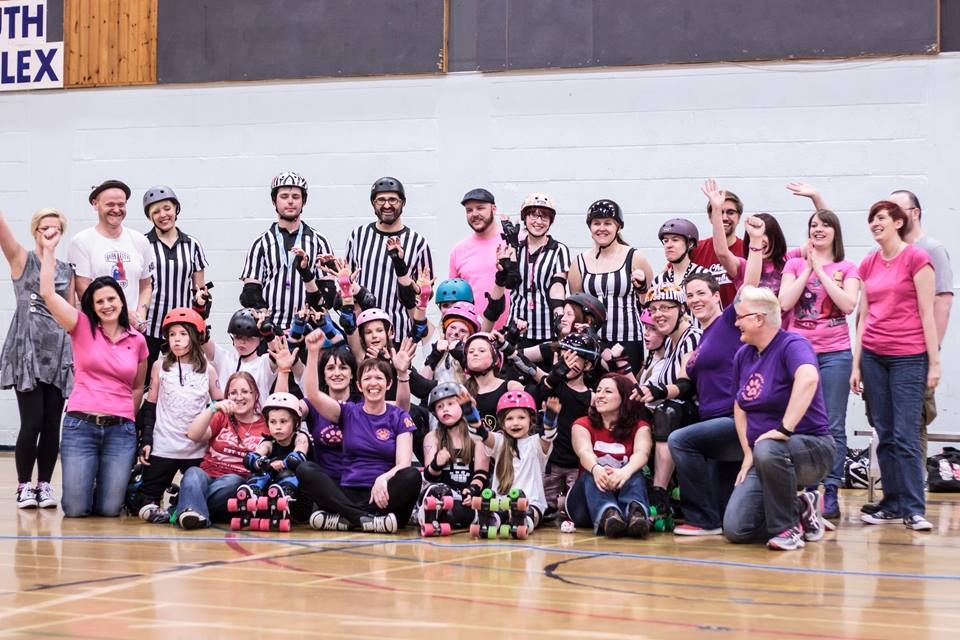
(520, 458)
(181, 386)
(458, 321)
(374, 336)
(453, 466)
(451, 291)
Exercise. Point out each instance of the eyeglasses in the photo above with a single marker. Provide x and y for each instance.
(747, 315)
(730, 212)
(537, 214)
(390, 201)
(661, 308)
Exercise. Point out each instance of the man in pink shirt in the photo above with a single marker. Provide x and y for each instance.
(475, 258)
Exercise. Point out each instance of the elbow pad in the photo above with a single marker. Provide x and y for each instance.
(495, 307)
(252, 296)
(687, 390)
(146, 419)
(407, 296)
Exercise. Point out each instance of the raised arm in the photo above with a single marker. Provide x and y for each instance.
(14, 252)
(717, 197)
(324, 404)
(62, 311)
(807, 191)
(752, 271)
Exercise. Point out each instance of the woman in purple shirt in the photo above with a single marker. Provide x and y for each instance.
(783, 430)
(337, 378)
(378, 487)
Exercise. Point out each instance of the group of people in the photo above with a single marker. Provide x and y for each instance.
(707, 398)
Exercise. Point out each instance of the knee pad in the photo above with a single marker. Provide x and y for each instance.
(669, 416)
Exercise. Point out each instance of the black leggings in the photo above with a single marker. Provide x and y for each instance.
(39, 438)
(158, 476)
(354, 502)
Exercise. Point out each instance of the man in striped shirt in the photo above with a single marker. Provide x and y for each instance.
(367, 251)
(179, 263)
(270, 276)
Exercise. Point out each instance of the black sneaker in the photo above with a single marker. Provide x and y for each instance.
(326, 521)
(379, 524)
(638, 523)
(614, 526)
(191, 520)
(881, 517)
(870, 507)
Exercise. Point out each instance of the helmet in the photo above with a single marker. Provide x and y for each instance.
(539, 200)
(281, 401)
(461, 311)
(584, 343)
(680, 227)
(374, 314)
(645, 317)
(454, 290)
(442, 391)
(516, 400)
(665, 292)
(243, 323)
(497, 354)
(183, 315)
(589, 304)
(288, 179)
(605, 209)
(387, 185)
(159, 194)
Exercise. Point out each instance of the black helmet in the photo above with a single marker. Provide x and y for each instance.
(243, 323)
(590, 305)
(387, 185)
(683, 228)
(605, 209)
(586, 343)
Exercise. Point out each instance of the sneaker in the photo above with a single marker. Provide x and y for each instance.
(26, 496)
(694, 530)
(638, 522)
(788, 540)
(917, 523)
(614, 526)
(154, 513)
(190, 519)
(325, 521)
(880, 517)
(810, 515)
(831, 502)
(870, 508)
(45, 499)
(379, 524)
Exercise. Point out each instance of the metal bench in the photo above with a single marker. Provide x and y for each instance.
(932, 436)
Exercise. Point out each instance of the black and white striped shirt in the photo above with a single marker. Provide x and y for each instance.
(615, 290)
(673, 354)
(271, 264)
(367, 251)
(530, 302)
(173, 277)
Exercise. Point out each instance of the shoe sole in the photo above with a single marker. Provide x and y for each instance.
(777, 547)
(884, 521)
(697, 532)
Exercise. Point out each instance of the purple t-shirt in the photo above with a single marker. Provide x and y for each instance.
(328, 444)
(816, 316)
(765, 381)
(370, 442)
(710, 367)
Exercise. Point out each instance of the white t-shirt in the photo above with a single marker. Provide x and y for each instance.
(182, 396)
(528, 469)
(226, 361)
(128, 258)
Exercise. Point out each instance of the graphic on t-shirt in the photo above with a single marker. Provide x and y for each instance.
(382, 434)
(692, 358)
(408, 422)
(610, 454)
(116, 260)
(330, 436)
(720, 273)
(753, 388)
(806, 314)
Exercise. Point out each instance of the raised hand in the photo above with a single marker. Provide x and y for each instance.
(394, 246)
(281, 353)
(314, 341)
(755, 228)
(802, 189)
(715, 195)
(403, 356)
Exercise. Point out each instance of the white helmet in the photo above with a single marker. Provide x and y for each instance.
(288, 179)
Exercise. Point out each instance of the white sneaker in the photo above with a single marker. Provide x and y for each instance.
(154, 513)
(45, 499)
(26, 496)
(326, 521)
(917, 523)
(379, 524)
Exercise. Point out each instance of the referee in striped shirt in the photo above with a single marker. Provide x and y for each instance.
(270, 277)
(180, 263)
(367, 251)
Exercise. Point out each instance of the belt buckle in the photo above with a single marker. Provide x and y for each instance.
(102, 421)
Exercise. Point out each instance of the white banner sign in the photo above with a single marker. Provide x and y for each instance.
(27, 60)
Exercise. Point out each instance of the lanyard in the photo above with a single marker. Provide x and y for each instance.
(284, 254)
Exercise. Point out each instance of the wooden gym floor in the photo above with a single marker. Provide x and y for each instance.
(123, 579)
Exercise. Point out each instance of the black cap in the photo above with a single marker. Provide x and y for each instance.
(480, 195)
(109, 184)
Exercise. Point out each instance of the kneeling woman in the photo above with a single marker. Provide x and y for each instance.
(613, 446)
(378, 488)
(783, 429)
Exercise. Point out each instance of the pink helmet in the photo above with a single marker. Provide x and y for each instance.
(645, 317)
(282, 401)
(516, 400)
(489, 337)
(374, 314)
(460, 311)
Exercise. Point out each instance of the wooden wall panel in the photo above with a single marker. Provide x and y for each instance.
(110, 42)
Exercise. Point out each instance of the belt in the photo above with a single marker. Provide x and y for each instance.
(100, 421)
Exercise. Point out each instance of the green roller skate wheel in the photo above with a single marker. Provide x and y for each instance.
(504, 531)
(669, 523)
(659, 526)
(486, 494)
(514, 494)
(653, 511)
(491, 533)
(675, 494)
(503, 504)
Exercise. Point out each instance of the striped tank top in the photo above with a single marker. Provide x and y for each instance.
(615, 290)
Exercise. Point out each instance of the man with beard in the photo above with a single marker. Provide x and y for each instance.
(705, 255)
(271, 279)
(367, 251)
(474, 259)
(109, 249)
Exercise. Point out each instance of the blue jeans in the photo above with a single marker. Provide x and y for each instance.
(205, 495)
(701, 452)
(96, 462)
(894, 386)
(587, 502)
(835, 368)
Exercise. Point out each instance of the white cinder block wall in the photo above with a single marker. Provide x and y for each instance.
(645, 137)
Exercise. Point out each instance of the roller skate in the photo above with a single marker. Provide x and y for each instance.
(435, 517)
(273, 509)
(517, 524)
(660, 512)
(486, 520)
(245, 506)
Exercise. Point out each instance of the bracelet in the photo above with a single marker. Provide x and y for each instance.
(283, 370)
(756, 249)
(407, 379)
(595, 465)
(782, 429)
(213, 406)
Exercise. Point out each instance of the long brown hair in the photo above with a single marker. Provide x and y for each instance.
(445, 441)
(628, 415)
(194, 357)
(504, 465)
(830, 219)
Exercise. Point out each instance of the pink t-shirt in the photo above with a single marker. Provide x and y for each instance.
(104, 371)
(475, 260)
(815, 316)
(893, 326)
(769, 276)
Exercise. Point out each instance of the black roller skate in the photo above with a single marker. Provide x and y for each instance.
(486, 519)
(515, 505)
(273, 509)
(435, 514)
(660, 511)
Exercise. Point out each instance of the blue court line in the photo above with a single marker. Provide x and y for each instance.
(366, 542)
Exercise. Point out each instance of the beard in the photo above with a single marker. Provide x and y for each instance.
(479, 226)
(389, 217)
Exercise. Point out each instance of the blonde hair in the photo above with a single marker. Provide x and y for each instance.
(48, 212)
(763, 300)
